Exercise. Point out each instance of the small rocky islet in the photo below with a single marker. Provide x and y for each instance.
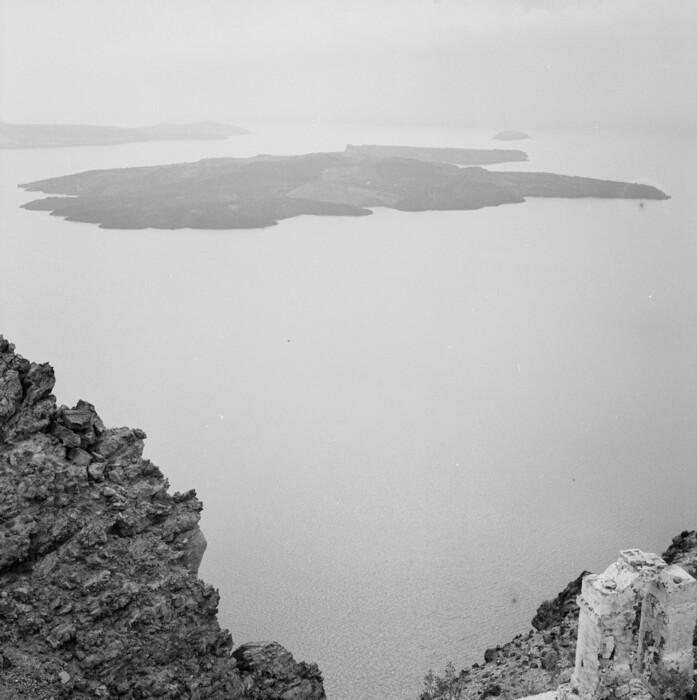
(239, 193)
(510, 135)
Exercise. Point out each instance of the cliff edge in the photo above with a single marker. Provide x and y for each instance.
(99, 595)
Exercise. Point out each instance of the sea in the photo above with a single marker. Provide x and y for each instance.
(407, 429)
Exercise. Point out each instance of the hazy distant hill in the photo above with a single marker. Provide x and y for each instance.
(55, 135)
(459, 156)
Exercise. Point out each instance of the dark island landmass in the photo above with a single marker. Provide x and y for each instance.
(510, 135)
(13, 136)
(99, 593)
(237, 193)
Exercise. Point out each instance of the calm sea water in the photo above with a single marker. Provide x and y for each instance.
(407, 429)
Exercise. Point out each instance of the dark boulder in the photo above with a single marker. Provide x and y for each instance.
(551, 612)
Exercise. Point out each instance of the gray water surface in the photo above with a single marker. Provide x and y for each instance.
(407, 429)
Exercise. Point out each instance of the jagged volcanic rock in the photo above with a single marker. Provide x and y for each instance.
(552, 612)
(270, 667)
(98, 589)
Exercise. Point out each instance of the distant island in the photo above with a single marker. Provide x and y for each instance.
(510, 135)
(456, 156)
(239, 193)
(57, 135)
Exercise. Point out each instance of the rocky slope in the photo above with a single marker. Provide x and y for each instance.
(98, 589)
(543, 658)
(230, 193)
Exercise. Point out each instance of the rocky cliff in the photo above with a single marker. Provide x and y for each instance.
(98, 589)
(543, 658)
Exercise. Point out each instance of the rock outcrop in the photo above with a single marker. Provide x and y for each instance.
(98, 589)
(271, 672)
(552, 612)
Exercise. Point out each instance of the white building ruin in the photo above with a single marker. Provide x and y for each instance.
(635, 630)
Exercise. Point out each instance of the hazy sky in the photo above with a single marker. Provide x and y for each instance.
(513, 62)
